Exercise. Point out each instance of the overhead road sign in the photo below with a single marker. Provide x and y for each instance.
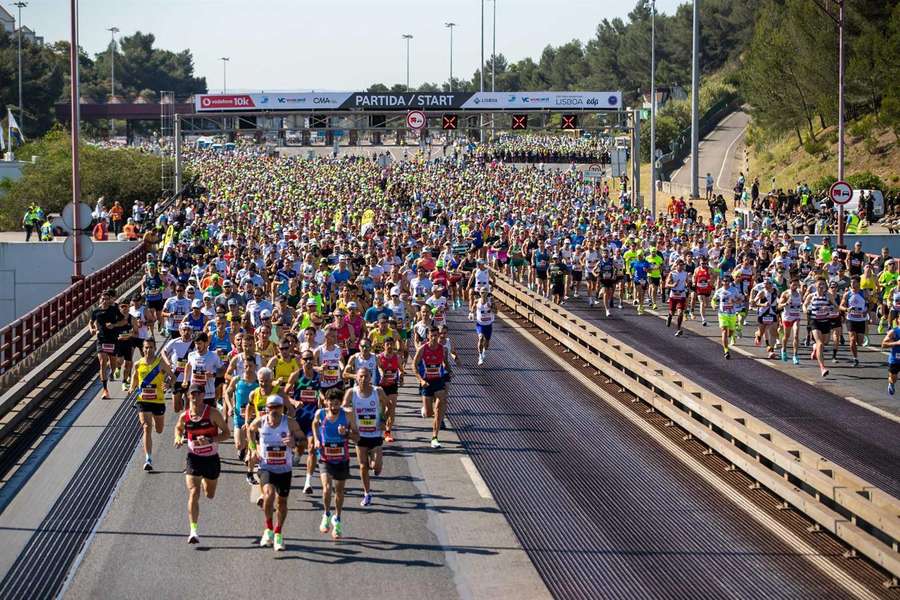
(569, 122)
(416, 120)
(472, 101)
(449, 122)
(840, 192)
(520, 122)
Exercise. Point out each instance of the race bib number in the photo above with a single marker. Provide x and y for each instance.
(768, 319)
(202, 447)
(108, 348)
(389, 378)
(308, 396)
(198, 378)
(180, 366)
(432, 372)
(330, 374)
(149, 394)
(367, 424)
(334, 451)
(276, 455)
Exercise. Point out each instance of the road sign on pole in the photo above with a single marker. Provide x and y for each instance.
(840, 192)
(416, 120)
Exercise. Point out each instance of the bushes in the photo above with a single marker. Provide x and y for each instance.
(125, 175)
(866, 181)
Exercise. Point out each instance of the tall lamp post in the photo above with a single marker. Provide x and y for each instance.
(450, 26)
(74, 116)
(224, 60)
(493, 42)
(653, 108)
(112, 76)
(838, 19)
(407, 37)
(20, 6)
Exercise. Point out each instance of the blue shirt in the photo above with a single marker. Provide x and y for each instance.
(372, 313)
(639, 269)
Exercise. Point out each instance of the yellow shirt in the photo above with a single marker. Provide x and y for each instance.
(379, 339)
(284, 368)
(153, 390)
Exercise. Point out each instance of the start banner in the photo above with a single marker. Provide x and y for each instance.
(402, 102)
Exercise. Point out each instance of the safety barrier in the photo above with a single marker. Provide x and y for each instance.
(26, 334)
(865, 517)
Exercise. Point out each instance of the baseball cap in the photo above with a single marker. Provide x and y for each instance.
(274, 400)
(352, 305)
(232, 302)
(265, 314)
(197, 303)
(395, 291)
(185, 325)
(311, 302)
(227, 283)
(197, 388)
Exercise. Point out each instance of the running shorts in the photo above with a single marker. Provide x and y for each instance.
(677, 303)
(339, 471)
(857, 326)
(390, 390)
(823, 326)
(727, 321)
(370, 442)
(485, 330)
(280, 481)
(432, 388)
(207, 467)
(155, 304)
(157, 408)
(305, 415)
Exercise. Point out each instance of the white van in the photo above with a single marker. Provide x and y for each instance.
(877, 202)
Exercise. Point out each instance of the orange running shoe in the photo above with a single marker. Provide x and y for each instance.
(105, 395)
(388, 437)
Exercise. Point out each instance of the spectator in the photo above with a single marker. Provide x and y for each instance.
(116, 214)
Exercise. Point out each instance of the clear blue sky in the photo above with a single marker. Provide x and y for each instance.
(339, 45)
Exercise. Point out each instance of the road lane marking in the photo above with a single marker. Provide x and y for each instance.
(725, 158)
(475, 476)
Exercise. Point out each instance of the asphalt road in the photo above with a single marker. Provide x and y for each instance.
(721, 154)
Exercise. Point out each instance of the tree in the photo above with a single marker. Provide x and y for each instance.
(42, 83)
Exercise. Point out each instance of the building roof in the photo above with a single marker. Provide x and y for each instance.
(5, 15)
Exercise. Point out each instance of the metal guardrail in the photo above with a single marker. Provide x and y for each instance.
(28, 333)
(863, 516)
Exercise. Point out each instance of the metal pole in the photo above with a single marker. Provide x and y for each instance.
(840, 176)
(177, 153)
(695, 105)
(653, 108)
(494, 45)
(112, 78)
(481, 76)
(450, 26)
(21, 5)
(636, 159)
(224, 60)
(73, 105)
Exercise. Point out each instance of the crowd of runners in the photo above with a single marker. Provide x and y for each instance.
(533, 148)
(284, 310)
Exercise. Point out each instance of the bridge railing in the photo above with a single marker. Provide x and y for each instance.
(22, 337)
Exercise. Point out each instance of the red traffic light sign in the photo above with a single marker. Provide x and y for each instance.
(449, 122)
(840, 192)
(520, 121)
(569, 122)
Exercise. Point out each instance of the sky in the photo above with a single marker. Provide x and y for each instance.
(338, 45)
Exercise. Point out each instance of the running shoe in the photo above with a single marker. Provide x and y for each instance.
(771, 354)
(824, 372)
(242, 454)
(620, 305)
(679, 333)
(117, 374)
(783, 355)
(251, 479)
(471, 316)
(424, 416)
(337, 530)
(105, 395)
(669, 321)
(267, 538)
(325, 525)
(855, 362)
(367, 500)
(307, 489)
(703, 323)
(690, 315)
(727, 355)
(757, 341)
(796, 360)
(279, 542)
(640, 310)
(607, 313)
(193, 538)
(890, 388)
(653, 305)
(480, 359)
(435, 443)
(881, 327)
(388, 437)
(865, 341)
(148, 466)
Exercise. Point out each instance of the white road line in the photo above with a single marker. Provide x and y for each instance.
(877, 410)
(480, 486)
(803, 549)
(727, 155)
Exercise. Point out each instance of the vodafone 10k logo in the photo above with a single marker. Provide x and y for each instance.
(212, 102)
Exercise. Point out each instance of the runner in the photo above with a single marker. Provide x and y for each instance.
(703, 288)
(202, 426)
(149, 379)
(433, 371)
(484, 323)
(765, 301)
(306, 399)
(203, 367)
(369, 404)
(855, 308)
(240, 388)
(818, 305)
(791, 305)
(333, 427)
(724, 299)
(676, 283)
(105, 323)
(275, 457)
(391, 373)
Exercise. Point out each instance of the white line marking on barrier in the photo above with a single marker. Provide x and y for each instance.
(803, 549)
(725, 158)
(480, 486)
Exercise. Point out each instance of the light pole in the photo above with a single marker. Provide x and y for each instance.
(112, 76)
(224, 60)
(695, 105)
(450, 26)
(839, 21)
(493, 43)
(407, 37)
(74, 116)
(481, 77)
(653, 108)
(20, 6)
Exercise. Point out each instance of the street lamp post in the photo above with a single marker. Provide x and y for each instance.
(695, 104)
(481, 77)
(20, 6)
(407, 37)
(75, 116)
(653, 108)
(224, 60)
(450, 26)
(112, 76)
(493, 43)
